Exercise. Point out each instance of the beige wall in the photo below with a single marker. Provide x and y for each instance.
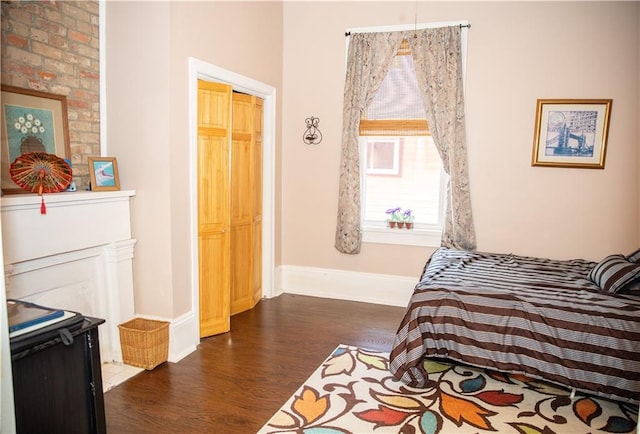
(243, 37)
(518, 52)
(148, 45)
(138, 129)
(561, 50)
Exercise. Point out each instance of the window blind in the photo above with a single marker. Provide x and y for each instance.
(397, 108)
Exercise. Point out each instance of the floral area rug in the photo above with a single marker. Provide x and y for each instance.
(354, 392)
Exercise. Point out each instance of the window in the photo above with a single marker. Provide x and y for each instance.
(418, 186)
(400, 164)
(399, 119)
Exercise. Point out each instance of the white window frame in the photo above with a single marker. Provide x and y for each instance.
(421, 234)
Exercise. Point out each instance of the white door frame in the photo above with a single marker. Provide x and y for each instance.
(205, 71)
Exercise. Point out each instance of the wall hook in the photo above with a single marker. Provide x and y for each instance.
(312, 136)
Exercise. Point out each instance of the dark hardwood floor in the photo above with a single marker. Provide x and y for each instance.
(236, 381)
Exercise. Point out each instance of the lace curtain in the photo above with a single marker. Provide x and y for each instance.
(437, 57)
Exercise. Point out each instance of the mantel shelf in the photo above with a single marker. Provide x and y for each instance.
(73, 221)
(32, 200)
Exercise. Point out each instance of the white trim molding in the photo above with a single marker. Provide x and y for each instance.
(180, 342)
(199, 69)
(347, 285)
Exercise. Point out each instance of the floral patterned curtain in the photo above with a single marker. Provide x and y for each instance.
(438, 62)
(368, 61)
(437, 58)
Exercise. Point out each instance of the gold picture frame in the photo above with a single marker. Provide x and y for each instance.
(32, 121)
(103, 172)
(571, 133)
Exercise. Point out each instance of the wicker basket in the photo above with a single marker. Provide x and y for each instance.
(144, 342)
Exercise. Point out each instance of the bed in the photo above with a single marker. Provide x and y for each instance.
(575, 323)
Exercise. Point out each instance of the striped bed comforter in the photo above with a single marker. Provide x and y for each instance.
(539, 317)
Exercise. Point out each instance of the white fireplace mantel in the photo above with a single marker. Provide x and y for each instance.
(78, 256)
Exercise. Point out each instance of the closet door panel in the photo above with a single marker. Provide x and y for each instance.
(214, 117)
(258, 116)
(214, 302)
(241, 266)
(243, 193)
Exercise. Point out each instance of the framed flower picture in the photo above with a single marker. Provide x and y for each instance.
(32, 121)
(103, 172)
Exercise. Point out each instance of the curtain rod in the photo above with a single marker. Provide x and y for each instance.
(462, 26)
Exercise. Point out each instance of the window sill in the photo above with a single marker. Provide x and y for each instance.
(412, 237)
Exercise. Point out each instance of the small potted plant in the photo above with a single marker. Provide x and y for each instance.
(395, 216)
(407, 218)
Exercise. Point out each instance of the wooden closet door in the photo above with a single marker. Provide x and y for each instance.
(244, 193)
(214, 119)
(258, 116)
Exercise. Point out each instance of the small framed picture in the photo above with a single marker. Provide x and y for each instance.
(571, 133)
(103, 172)
(32, 121)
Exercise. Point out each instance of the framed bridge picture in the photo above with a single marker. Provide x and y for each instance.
(571, 133)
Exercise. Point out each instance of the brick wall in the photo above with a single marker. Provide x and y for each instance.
(53, 46)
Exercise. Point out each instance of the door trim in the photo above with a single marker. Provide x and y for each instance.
(199, 69)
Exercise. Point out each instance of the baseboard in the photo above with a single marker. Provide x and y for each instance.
(182, 341)
(346, 285)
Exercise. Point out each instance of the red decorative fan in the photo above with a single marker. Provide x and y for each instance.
(39, 172)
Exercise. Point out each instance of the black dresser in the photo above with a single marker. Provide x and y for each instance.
(57, 386)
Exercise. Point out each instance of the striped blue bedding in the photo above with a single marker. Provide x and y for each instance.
(538, 317)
